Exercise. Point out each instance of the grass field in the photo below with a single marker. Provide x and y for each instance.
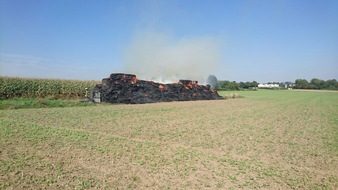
(269, 139)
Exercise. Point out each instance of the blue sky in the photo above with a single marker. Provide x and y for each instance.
(241, 40)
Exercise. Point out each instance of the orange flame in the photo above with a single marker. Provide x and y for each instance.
(133, 80)
(162, 87)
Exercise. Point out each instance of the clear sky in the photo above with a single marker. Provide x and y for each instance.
(241, 40)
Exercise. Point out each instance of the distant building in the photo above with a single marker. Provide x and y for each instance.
(277, 85)
(290, 84)
(283, 85)
(268, 85)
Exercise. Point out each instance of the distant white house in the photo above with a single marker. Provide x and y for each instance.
(268, 85)
(276, 85)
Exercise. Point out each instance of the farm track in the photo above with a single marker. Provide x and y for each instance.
(280, 141)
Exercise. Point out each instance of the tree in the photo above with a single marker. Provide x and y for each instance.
(223, 84)
(247, 85)
(331, 84)
(233, 86)
(317, 83)
(254, 84)
(302, 84)
(213, 82)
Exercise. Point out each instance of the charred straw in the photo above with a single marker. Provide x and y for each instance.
(126, 88)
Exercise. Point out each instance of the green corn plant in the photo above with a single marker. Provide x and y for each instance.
(14, 87)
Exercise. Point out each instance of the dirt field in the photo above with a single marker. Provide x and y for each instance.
(267, 140)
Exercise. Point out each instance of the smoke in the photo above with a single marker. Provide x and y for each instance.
(163, 58)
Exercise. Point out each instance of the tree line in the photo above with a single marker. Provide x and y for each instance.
(233, 85)
(229, 85)
(316, 83)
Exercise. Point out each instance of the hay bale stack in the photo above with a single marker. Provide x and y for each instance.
(126, 88)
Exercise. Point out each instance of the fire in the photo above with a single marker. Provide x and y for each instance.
(189, 84)
(123, 78)
(133, 80)
(126, 88)
(161, 87)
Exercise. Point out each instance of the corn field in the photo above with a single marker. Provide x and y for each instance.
(12, 87)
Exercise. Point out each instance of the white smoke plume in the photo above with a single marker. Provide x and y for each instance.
(162, 58)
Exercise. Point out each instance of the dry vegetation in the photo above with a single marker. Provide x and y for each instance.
(267, 140)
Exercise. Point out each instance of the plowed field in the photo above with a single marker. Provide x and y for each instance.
(267, 140)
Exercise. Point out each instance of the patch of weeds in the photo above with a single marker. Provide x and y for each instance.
(48, 179)
(85, 184)
(136, 131)
(220, 173)
(133, 182)
(141, 162)
(320, 187)
(249, 183)
(161, 135)
(234, 162)
(102, 149)
(59, 167)
(220, 185)
(184, 154)
(167, 109)
(295, 182)
(193, 168)
(5, 166)
(40, 103)
(113, 113)
(139, 145)
(164, 109)
(271, 172)
(232, 178)
(8, 130)
(4, 185)
(204, 144)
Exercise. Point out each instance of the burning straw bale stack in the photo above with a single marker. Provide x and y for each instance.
(126, 88)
